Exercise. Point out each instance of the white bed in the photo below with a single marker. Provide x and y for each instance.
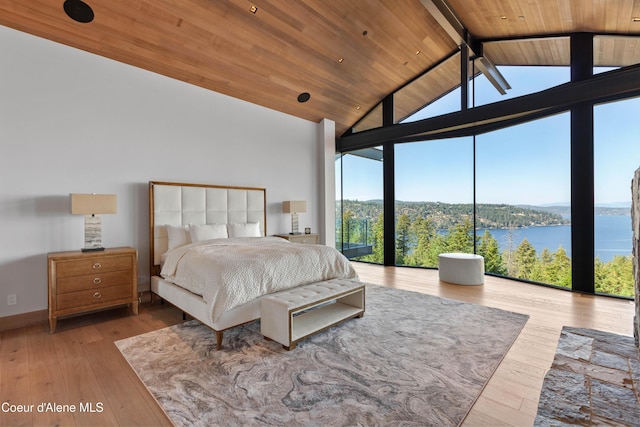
(175, 205)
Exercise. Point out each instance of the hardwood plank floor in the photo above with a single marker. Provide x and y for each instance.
(80, 364)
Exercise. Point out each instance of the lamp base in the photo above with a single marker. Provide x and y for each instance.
(98, 249)
(294, 223)
(92, 233)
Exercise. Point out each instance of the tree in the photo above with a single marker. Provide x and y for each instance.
(616, 276)
(561, 268)
(460, 238)
(403, 238)
(488, 248)
(422, 255)
(348, 226)
(524, 260)
(378, 242)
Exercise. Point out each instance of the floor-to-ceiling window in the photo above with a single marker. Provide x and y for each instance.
(523, 192)
(616, 157)
(434, 200)
(359, 219)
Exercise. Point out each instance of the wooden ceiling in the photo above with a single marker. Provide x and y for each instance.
(346, 54)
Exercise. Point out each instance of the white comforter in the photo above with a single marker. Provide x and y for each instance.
(230, 272)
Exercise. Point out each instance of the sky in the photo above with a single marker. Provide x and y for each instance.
(525, 164)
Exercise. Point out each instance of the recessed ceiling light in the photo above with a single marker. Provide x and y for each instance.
(503, 17)
(635, 19)
(253, 8)
(304, 97)
(78, 11)
(341, 60)
(417, 52)
(358, 107)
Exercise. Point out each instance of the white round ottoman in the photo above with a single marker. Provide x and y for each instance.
(461, 269)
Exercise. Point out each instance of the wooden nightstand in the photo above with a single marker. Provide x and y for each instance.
(84, 281)
(300, 238)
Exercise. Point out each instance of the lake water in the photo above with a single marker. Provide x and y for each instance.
(613, 236)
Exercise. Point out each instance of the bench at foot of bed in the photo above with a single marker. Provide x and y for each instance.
(293, 315)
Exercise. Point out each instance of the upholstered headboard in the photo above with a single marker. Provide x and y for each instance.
(172, 203)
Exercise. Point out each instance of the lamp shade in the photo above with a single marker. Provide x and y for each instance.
(89, 204)
(294, 206)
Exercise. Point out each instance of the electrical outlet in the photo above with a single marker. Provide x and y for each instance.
(12, 299)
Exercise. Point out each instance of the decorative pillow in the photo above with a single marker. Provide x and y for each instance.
(203, 232)
(249, 229)
(178, 236)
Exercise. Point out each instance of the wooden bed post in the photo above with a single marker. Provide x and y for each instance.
(219, 335)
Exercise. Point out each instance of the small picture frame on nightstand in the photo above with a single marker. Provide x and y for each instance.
(307, 230)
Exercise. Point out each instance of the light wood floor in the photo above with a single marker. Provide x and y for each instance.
(80, 364)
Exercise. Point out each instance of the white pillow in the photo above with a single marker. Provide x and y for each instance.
(249, 229)
(178, 236)
(203, 232)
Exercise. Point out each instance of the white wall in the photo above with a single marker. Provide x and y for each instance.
(73, 122)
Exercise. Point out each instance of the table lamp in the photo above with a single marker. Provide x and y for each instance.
(294, 207)
(92, 206)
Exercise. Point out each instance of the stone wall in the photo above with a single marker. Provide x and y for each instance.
(635, 220)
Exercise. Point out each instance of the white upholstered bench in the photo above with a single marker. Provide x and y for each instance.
(292, 315)
(461, 269)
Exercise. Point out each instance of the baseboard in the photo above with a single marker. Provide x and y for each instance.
(25, 319)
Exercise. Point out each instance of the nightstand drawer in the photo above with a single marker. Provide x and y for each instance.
(93, 281)
(92, 297)
(87, 266)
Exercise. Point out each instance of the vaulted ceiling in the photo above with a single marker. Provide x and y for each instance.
(347, 55)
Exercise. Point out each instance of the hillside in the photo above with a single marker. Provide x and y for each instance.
(445, 215)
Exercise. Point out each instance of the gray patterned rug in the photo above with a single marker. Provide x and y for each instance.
(594, 381)
(413, 359)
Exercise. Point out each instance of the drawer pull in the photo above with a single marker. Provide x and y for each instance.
(97, 295)
(97, 265)
(97, 281)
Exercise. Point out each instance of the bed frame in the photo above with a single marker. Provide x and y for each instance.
(172, 203)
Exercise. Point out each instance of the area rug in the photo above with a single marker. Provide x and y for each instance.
(594, 381)
(413, 359)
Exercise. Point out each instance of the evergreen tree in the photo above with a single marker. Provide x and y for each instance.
(524, 259)
(378, 242)
(460, 237)
(488, 248)
(618, 277)
(561, 268)
(544, 269)
(348, 226)
(403, 239)
(424, 232)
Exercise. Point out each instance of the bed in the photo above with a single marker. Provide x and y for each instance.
(211, 256)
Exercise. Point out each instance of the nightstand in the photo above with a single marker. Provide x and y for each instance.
(300, 238)
(80, 282)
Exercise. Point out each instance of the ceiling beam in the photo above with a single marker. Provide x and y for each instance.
(447, 19)
(453, 26)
